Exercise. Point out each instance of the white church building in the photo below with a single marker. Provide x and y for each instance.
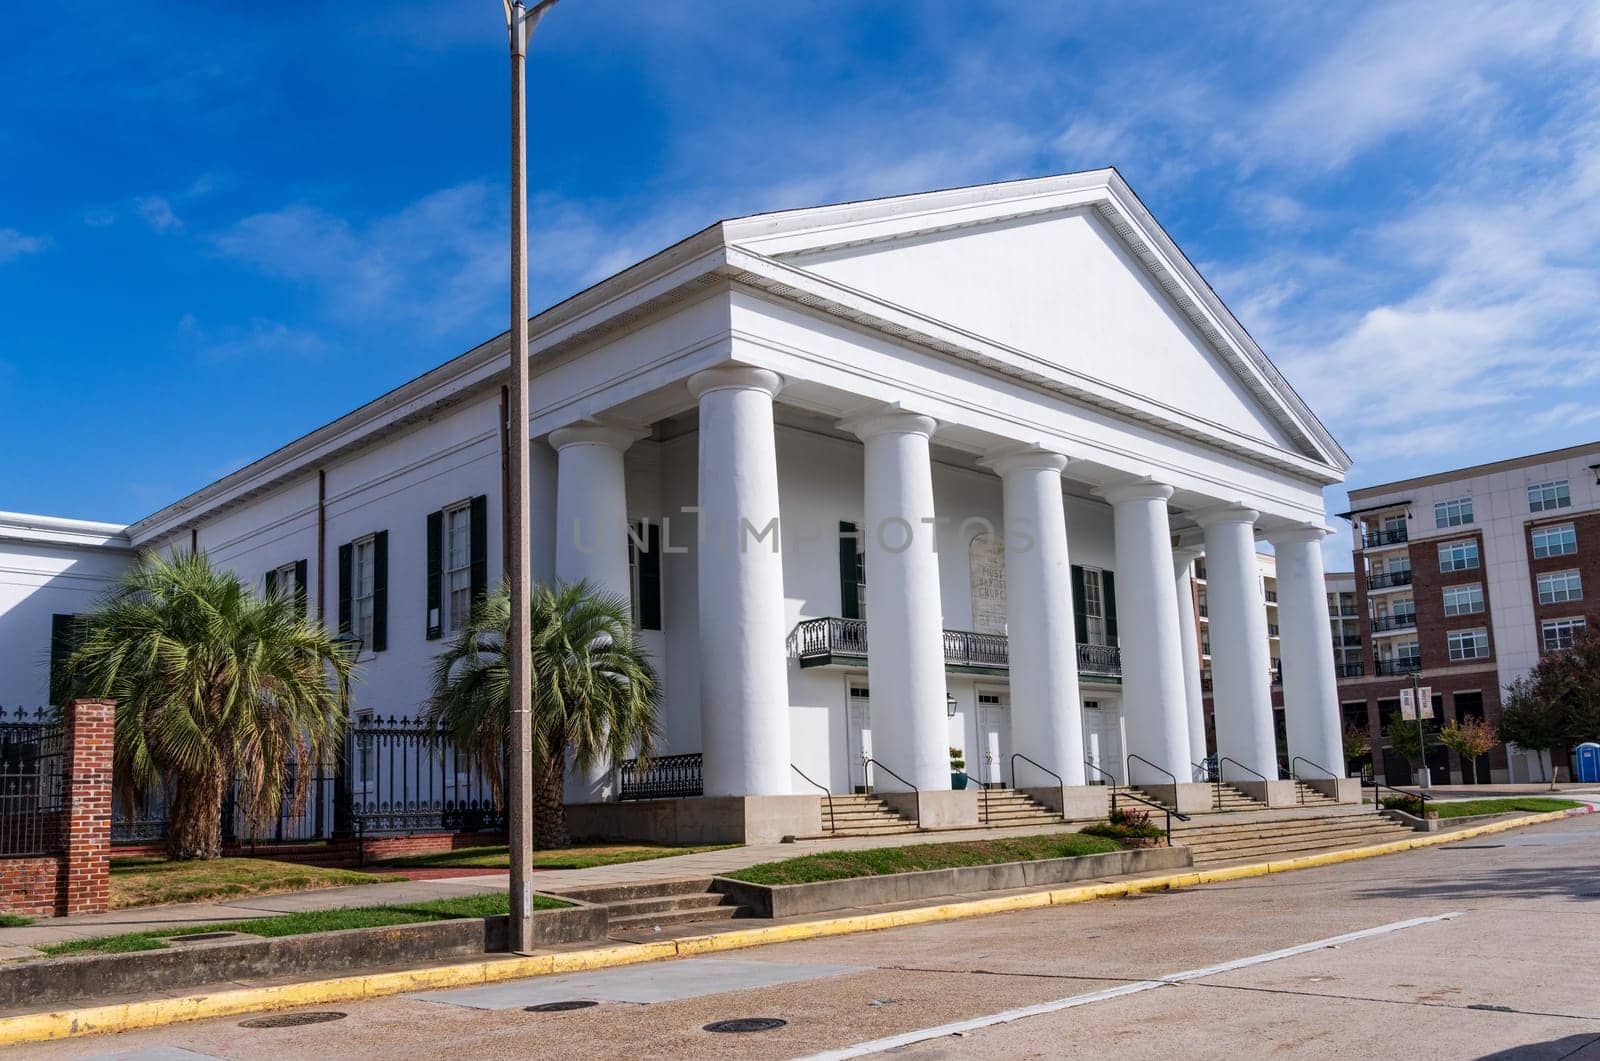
(884, 481)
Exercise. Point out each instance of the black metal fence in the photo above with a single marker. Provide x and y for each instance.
(32, 789)
(664, 777)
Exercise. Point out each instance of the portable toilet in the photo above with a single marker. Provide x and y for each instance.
(1589, 762)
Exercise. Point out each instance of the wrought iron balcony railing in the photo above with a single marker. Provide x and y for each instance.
(1350, 670)
(1392, 536)
(1386, 579)
(1398, 621)
(1398, 665)
(824, 642)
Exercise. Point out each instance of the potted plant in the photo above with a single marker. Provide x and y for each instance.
(958, 767)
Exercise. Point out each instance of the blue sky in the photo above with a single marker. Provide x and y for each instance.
(222, 225)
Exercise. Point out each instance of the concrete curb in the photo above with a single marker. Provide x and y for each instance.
(62, 1024)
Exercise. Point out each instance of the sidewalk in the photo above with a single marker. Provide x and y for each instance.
(17, 942)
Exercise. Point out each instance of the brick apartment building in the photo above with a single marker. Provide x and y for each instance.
(1465, 578)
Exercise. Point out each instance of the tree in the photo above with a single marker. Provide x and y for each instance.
(1557, 704)
(595, 692)
(1469, 738)
(211, 682)
(1356, 741)
(1401, 734)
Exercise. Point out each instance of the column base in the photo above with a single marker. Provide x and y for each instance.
(936, 808)
(1075, 802)
(699, 819)
(1189, 797)
(1343, 789)
(1272, 793)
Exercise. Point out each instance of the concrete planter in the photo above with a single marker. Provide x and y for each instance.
(39, 984)
(790, 900)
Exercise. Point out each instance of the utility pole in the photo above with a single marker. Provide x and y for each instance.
(520, 24)
(1422, 742)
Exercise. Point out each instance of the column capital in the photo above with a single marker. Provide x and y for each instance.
(889, 420)
(616, 434)
(1024, 458)
(1297, 533)
(1225, 513)
(1146, 489)
(1184, 555)
(735, 377)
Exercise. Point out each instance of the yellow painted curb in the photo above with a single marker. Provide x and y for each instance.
(130, 1016)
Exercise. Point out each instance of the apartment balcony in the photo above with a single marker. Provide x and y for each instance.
(1272, 629)
(1378, 539)
(1272, 596)
(1389, 580)
(1398, 665)
(1349, 670)
(835, 642)
(1389, 624)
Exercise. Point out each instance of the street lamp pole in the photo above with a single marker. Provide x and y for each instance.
(520, 24)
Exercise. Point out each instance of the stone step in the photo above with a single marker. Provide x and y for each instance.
(1193, 828)
(1293, 848)
(886, 830)
(605, 895)
(665, 907)
(1268, 840)
(680, 916)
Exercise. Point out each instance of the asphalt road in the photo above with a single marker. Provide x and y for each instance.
(1515, 974)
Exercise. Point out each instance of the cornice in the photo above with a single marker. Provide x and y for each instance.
(57, 531)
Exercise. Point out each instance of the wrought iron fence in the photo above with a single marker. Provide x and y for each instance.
(664, 777)
(405, 776)
(32, 787)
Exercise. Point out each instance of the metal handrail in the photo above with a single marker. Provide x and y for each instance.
(1224, 759)
(827, 795)
(1162, 807)
(1109, 777)
(867, 760)
(1127, 766)
(1296, 777)
(1377, 802)
(1059, 780)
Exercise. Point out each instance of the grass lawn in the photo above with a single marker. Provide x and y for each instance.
(1525, 804)
(578, 856)
(488, 905)
(14, 921)
(150, 881)
(842, 865)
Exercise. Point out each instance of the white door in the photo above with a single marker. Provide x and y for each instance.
(994, 723)
(860, 738)
(1102, 739)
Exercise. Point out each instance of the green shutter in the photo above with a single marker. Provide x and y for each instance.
(380, 591)
(346, 589)
(849, 571)
(434, 618)
(1108, 589)
(300, 586)
(480, 547)
(1080, 622)
(272, 582)
(650, 578)
(63, 639)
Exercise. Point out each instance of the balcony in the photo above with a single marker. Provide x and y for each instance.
(1272, 596)
(1272, 629)
(1350, 670)
(1398, 665)
(1387, 623)
(1377, 539)
(1389, 579)
(1351, 641)
(834, 642)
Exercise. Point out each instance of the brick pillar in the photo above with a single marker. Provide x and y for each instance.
(86, 759)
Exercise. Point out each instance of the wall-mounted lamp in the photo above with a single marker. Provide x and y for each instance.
(1596, 469)
(949, 705)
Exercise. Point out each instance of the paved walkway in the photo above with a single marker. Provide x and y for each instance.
(18, 942)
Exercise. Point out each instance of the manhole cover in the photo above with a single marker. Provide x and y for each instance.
(746, 1024)
(201, 937)
(292, 1020)
(560, 1007)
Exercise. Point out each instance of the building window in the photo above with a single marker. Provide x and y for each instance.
(456, 563)
(1458, 556)
(1454, 513)
(1463, 600)
(644, 574)
(363, 586)
(1543, 497)
(1560, 540)
(1559, 634)
(1094, 608)
(1560, 586)
(1469, 644)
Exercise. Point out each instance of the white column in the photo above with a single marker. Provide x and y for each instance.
(592, 540)
(1310, 687)
(905, 623)
(1189, 631)
(1241, 662)
(1154, 704)
(1046, 712)
(744, 682)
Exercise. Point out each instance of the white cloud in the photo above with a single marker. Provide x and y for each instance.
(158, 212)
(259, 340)
(14, 244)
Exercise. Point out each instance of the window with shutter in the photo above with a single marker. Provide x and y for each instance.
(644, 569)
(852, 572)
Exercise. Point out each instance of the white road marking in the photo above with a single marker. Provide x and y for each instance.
(1072, 1002)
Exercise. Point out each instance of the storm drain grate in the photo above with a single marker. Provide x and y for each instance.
(293, 1020)
(746, 1024)
(561, 1007)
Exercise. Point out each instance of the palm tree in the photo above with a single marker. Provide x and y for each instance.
(211, 682)
(595, 693)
